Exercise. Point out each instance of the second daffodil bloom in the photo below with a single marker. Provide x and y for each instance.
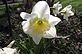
(56, 7)
(8, 49)
(39, 23)
(67, 12)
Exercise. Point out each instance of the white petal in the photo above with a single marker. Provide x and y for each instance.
(51, 33)
(71, 13)
(67, 8)
(36, 39)
(9, 50)
(41, 8)
(55, 12)
(1, 50)
(54, 20)
(24, 15)
(62, 36)
(35, 36)
(59, 6)
(25, 26)
(10, 45)
(55, 5)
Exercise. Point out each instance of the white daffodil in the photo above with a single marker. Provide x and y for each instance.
(8, 50)
(56, 7)
(67, 12)
(40, 23)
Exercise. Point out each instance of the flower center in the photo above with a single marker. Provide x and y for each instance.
(40, 22)
(39, 25)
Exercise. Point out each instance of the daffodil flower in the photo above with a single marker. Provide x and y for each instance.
(67, 12)
(40, 24)
(56, 7)
(8, 50)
